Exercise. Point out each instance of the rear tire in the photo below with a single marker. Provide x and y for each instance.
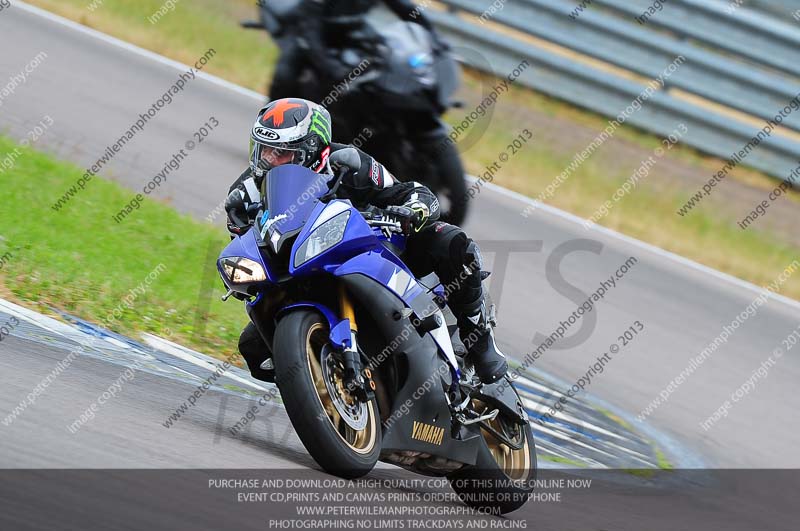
(451, 187)
(338, 448)
(503, 475)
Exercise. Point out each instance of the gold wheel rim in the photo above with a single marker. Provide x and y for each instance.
(515, 464)
(360, 441)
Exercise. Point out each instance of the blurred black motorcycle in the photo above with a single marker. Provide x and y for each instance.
(394, 83)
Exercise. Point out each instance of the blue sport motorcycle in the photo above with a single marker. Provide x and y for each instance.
(361, 351)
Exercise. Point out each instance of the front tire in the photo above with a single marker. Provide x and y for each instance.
(299, 357)
(503, 475)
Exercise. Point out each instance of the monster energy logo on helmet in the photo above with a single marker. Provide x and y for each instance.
(321, 125)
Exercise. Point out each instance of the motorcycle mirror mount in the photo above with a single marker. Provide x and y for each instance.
(347, 157)
(341, 161)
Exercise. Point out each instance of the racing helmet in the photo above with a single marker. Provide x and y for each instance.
(290, 131)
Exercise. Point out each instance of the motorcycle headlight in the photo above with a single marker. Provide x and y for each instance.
(322, 238)
(240, 270)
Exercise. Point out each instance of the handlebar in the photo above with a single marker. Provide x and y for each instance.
(393, 226)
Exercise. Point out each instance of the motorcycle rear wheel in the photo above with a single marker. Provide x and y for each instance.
(502, 478)
(450, 185)
(299, 357)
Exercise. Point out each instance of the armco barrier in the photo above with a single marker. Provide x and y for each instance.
(616, 38)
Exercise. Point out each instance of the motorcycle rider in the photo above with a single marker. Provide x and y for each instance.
(316, 26)
(298, 131)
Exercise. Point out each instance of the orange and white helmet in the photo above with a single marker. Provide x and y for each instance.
(290, 131)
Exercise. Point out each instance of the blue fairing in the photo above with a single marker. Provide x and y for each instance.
(384, 267)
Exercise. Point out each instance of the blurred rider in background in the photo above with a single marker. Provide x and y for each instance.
(316, 26)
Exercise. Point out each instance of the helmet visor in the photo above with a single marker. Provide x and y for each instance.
(266, 157)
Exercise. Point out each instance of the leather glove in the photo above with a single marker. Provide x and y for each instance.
(236, 208)
(411, 216)
(401, 214)
(421, 213)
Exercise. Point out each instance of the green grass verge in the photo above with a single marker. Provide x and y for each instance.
(663, 462)
(562, 460)
(75, 261)
(616, 419)
(708, 235)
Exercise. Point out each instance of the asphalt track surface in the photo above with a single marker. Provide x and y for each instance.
(94, 90)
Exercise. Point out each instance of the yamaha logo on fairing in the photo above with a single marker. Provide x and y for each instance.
(427, 433)
(277, 218)
(269, 134)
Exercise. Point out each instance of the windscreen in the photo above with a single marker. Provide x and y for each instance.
(291, 192)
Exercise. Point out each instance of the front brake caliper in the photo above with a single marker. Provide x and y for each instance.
(357, 379)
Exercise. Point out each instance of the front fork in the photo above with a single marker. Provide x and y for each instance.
(359, 382)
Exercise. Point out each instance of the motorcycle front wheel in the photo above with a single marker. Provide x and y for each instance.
(341, 433)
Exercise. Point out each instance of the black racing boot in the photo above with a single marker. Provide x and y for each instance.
(477, 336)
